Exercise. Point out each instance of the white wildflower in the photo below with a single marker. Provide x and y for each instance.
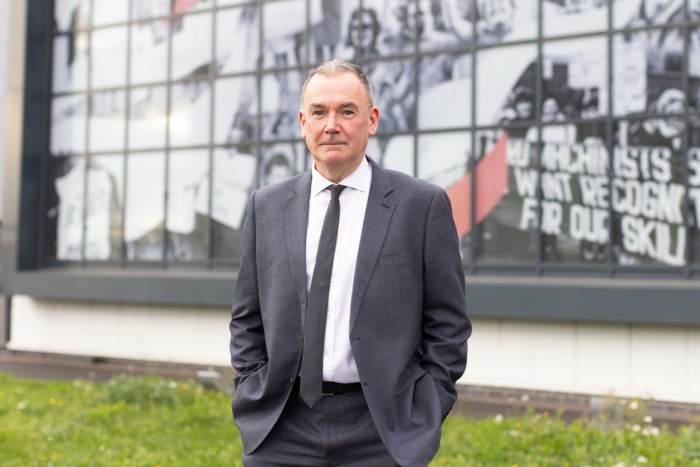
(498, 418)
(173, 384)
(636, 427)
(634, 405)
(22, 405)
(647, 419)
(642, 460)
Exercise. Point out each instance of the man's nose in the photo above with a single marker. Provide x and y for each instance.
(332, 123)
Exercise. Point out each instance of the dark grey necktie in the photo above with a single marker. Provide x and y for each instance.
(311, 372)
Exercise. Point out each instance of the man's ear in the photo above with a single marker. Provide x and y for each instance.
(302, 122)
(373, 121)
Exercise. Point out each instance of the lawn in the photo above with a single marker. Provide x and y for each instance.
(151, 421)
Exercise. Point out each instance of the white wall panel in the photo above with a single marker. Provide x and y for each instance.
(657, 362)
(170, 334)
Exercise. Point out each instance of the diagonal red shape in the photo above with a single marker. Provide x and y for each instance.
(491, 183)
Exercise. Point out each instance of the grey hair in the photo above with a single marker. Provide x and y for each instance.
(339, 66)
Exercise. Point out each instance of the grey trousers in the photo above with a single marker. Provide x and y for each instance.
(337, 431)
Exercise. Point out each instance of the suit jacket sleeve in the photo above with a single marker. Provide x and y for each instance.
(247, 345)
(446, 324)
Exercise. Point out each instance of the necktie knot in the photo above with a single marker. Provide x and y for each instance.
(336, 190)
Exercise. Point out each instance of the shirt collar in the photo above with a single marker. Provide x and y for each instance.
(360, 179)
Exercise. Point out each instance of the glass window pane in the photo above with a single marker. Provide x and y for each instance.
(575, 79)
(143, 222)
(231, 2)
(393, 152)
(65, 214)
(142, 9)
(237, 39)
(505, 84)
(182, 7)
(68, 115)
(108, 54)
(499, 21)
(109, 12)
(694, 66)
(236, 110)
(694, 189)
(360, 31)
(505, 183)
(575, 193)
(326, 28)
(574, 17)
(646, 65)
(280, 105)
(398, 27)
(393, 85)
(149, 52)
(644, 13)
(445, 87)
(147, 117)
(233, 175)
(107, 120)
(281, 161)
(190, 114)
(192, 46)
(71, 14)
(443, 158)
(284, 23)
(105, 195)
(188, 205)
(70, 62)
(648, 192)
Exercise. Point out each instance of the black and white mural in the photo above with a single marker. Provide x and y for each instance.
(565, 142)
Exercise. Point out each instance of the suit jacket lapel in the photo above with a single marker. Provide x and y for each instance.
(296, 217)
(376, 224)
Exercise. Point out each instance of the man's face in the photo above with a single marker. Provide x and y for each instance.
(336, 122)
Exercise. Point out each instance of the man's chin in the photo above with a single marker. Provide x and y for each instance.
(332, 155)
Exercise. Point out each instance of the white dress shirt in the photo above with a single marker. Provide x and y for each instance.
(338, 361)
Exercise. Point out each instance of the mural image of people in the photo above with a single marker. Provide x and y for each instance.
(363, 33)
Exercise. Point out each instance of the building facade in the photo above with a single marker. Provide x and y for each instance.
(566, 133)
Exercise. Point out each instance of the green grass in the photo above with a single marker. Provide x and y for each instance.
(150, 421)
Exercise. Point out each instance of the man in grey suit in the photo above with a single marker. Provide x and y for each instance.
(394, 341)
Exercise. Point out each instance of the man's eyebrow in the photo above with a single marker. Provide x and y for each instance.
(344, 105)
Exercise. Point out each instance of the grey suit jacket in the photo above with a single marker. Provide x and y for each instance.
(408, 326)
